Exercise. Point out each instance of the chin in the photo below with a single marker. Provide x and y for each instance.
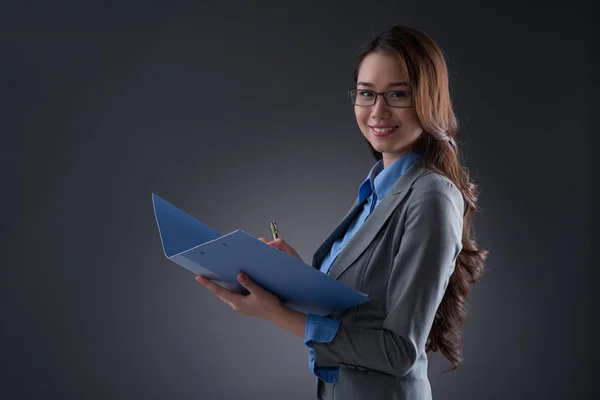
(386, 147)
(380, 149)
(397, 150)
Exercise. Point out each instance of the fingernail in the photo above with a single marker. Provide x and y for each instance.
(242, 278)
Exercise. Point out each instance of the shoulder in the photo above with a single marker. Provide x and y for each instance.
(433, 185)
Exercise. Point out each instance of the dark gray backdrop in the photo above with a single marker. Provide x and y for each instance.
(238, 114)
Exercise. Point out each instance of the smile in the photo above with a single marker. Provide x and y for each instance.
(383, 131)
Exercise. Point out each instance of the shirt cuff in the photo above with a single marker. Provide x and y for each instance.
(319, 329)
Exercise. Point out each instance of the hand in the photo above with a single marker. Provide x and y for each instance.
(259, 303)
(282, 245)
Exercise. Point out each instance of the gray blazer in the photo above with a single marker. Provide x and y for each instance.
(402, 257)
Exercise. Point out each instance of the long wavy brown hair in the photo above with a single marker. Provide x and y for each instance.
(427, 72)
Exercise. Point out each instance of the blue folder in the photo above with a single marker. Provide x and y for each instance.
(204, 251)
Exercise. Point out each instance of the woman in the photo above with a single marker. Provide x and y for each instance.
(406, 241)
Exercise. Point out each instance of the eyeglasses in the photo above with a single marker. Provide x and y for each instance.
(393, 98)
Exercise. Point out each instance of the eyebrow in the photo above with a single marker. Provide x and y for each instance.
(392, 84)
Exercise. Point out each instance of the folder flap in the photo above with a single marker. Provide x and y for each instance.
(178, 230)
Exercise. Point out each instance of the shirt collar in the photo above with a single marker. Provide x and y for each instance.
(381, 180)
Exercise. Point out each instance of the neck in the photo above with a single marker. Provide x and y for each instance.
(389, 158)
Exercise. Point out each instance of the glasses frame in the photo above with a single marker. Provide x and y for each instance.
(377, 94)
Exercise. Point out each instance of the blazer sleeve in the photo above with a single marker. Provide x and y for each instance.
(429, 247)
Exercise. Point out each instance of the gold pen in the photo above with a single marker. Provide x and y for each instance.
(274, 230)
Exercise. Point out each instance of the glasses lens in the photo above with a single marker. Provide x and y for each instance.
(398, 98)
(362, 97)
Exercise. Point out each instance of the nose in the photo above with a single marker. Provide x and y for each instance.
(380, 109)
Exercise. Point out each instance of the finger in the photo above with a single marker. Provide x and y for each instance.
(273, 243)
(247, 282)
(219, 290)
(277, 243)
(225, 301)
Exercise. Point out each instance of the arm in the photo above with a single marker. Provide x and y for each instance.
(291, 320)
(418, 280)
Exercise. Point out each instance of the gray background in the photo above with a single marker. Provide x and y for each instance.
(238, 114)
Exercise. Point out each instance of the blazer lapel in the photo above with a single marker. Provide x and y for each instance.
(336, 234)
(365, 235)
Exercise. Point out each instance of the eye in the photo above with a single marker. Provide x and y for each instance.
(365, 93)
(399, 93)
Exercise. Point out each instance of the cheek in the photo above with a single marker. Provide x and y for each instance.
(362, 115)
(408, 118)
(404, 114)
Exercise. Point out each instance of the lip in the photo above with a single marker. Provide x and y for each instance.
(382, 134)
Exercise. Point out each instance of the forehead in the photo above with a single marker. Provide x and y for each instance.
(381, 68)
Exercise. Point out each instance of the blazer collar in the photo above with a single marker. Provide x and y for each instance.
(365, 235)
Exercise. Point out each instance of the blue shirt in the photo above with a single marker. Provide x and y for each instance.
(373, 189)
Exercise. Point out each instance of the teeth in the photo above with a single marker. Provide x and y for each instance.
(383, 130)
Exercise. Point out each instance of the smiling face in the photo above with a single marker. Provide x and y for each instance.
(390, 130)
